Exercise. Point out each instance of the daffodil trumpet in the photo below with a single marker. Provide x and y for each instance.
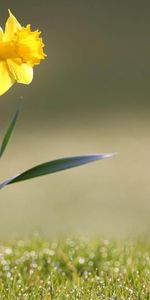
(20, 50)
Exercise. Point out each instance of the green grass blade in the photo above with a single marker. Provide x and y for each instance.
(56, 166)
(9, 132)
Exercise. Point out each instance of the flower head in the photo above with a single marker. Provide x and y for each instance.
(20, 50)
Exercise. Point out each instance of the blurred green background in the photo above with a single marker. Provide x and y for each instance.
(91, 94)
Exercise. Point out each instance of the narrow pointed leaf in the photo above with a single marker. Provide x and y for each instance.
(9, 132)
(55, 166)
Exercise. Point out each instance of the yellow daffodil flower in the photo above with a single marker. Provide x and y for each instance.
(20, 50)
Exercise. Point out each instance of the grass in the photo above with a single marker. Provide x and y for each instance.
(75, 269)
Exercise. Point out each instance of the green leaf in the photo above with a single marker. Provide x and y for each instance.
(55, 166)
(9, 132)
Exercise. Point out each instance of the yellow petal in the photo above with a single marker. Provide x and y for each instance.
(12, 25)
(22, 73)
(1, 33)
(6, 81)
